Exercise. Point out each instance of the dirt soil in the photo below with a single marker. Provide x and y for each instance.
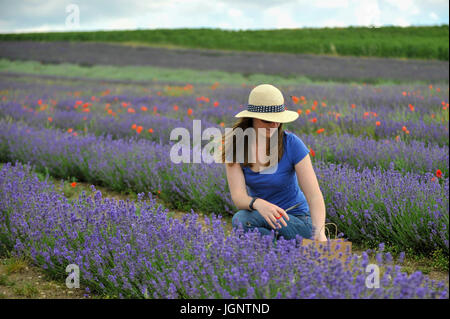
(20, 280)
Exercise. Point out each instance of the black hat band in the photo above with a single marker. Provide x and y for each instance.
(265, 108)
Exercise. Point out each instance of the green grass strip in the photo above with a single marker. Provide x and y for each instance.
(422, 42)
(159, 74)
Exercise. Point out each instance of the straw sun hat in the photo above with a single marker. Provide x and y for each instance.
(266, 102)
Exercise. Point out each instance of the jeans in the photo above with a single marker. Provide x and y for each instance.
(296, 225)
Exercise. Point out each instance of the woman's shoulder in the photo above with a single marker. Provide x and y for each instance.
(295, 147)
(290, 136)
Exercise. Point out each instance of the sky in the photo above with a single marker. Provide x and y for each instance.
(81, 15)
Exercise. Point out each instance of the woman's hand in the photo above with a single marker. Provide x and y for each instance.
(320, 236)
(271, 213)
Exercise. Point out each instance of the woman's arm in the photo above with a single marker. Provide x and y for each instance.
(307, 181)
(236, 183)
(239, 195)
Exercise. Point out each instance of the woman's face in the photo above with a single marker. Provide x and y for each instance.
(257, 123)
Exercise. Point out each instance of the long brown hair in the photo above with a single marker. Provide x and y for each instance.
(244, 123)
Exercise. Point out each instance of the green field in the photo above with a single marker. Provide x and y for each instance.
(159, 74)
(426, 42)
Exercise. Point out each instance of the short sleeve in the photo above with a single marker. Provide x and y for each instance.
(296, 149)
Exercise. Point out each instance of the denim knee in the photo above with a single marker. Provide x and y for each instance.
(238, 219)
(297, 225)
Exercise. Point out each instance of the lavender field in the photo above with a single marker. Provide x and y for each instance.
(380, 154)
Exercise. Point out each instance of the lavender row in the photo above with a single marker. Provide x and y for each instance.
(427, 132)
(359, 152)
(390, 103)
(133, 250)
(338, 97)
(408, 210)
(410, 155)
(132, 164)
(411, 208)
(355, 123)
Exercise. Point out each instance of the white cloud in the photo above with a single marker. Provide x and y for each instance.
(279, 18)
(225, 25)
(235, 13)
(331, 23)
(433, 16)
(402, 22)
(122, 23)
(41, 28)
(367, 13)
(330, 4)
(405, 6)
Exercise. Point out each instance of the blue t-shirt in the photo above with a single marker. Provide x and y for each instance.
(281, 186)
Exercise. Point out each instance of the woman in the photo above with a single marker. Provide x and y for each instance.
(262, 194)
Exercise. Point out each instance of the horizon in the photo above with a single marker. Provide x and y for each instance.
(237, 30)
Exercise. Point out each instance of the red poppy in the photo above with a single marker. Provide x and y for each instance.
(73, 184)
(439, 173)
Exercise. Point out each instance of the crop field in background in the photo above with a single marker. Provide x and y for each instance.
(380, 153)
(427, 42)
